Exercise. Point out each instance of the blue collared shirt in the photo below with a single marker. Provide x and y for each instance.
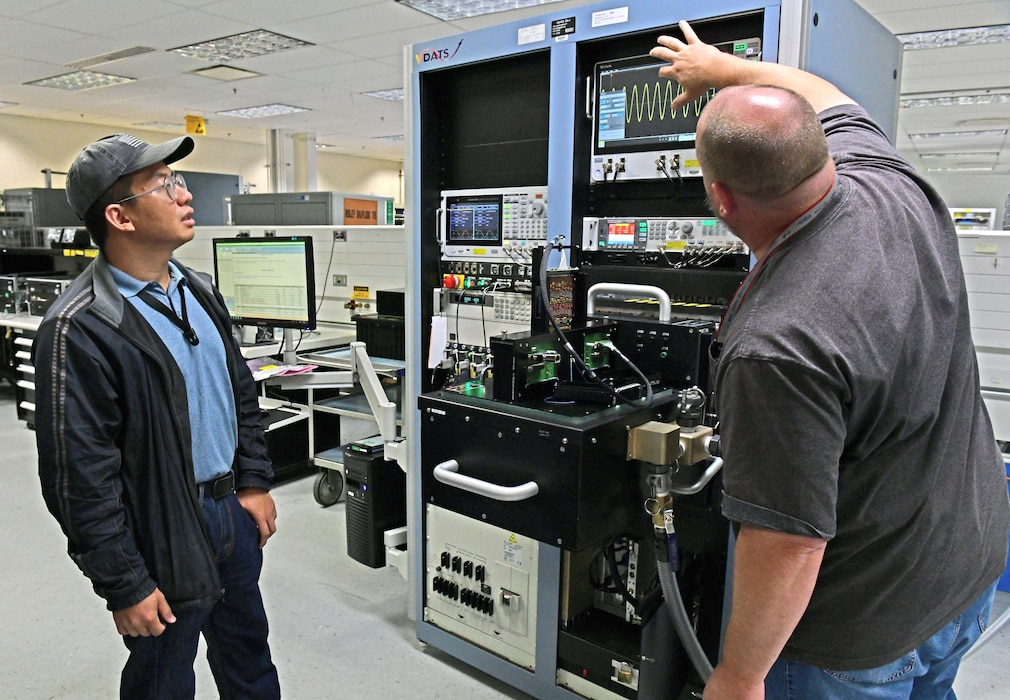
(212, 414)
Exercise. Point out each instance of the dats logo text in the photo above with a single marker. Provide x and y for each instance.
(437, 54)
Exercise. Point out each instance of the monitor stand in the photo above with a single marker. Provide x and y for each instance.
(289, 357)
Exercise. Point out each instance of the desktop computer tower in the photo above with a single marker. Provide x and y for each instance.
(376, 500)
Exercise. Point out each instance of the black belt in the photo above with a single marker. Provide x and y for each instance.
(217, 488)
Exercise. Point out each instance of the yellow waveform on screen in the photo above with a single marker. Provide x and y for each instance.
(656, 99)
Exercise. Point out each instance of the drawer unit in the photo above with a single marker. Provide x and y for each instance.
(24, 386)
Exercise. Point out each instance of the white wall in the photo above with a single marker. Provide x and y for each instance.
(965, 190)
(27, 146)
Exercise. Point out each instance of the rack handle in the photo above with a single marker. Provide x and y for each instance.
(448, 473)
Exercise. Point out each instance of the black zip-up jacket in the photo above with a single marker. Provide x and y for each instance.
(114, 439)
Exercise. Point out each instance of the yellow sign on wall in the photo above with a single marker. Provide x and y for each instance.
(360, 292)
(195, 125)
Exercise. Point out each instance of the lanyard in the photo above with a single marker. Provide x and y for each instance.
(741, 293)
(180, 323)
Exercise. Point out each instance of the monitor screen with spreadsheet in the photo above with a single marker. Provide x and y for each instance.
(267, 281)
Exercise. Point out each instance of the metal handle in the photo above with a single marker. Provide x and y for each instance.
(447, 473)
(629, 289)
(702, 482)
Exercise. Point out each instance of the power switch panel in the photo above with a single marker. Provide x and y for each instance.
(487, 594)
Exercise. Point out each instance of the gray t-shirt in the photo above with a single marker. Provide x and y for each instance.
(849, 398)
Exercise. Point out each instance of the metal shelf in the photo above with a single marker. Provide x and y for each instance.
(356, 405)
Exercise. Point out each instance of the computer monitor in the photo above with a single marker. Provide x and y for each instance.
(267, 281)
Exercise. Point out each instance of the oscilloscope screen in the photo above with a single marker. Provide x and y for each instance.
(474, 220)
(633, 103)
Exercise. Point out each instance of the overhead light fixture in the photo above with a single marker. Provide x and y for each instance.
(109, 57)
(324, 146)
(391, 137)
(450, 10)
(958, 134)
(164, 126)
(7, 104)
(272, 110)
(945, 38)
(957, 98)
(392, 94)
(968, 155)
(258, 42)
(81, 80)
(225, 73)
(964, 169)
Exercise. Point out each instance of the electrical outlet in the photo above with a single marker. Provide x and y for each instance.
(339, 280)
(340, 235)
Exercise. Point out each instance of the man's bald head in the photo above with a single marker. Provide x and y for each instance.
(760, 141)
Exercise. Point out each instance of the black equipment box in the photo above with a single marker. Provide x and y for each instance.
(389, 302)
(41, 292)
(376, 500)
(383, 336)
(16, 292)
(586, 489)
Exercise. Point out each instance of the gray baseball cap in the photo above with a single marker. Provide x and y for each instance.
(98, 166)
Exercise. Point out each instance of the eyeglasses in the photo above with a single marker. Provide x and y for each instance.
(173, 181)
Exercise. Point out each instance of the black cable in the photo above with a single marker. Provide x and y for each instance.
(579, 362)
(615, 575)
(326, 279)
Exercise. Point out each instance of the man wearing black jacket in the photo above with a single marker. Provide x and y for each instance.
(151, 453)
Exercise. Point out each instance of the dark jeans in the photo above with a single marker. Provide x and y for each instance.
(925, 673)
(235, 628)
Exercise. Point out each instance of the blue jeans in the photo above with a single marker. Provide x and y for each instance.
(925, 673)
(235, 628)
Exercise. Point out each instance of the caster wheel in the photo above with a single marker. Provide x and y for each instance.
(329, 487)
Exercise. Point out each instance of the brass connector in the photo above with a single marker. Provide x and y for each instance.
(693, 444)
(654, 442)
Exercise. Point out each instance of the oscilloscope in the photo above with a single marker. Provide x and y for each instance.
(636, 134)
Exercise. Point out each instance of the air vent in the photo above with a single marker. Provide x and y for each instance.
(109, 57)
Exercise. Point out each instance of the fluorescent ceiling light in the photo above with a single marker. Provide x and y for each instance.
(259, 42)
(964, 169)
(458, 9)
(109, 57)
(272, 110)
(393, 94)
(957, 99)
(162, 125)
(7, 104)
(958, 134)
(392, 137)
(970, 155)
(81, 80)
(324, 146)
(944, 38)
(226, 73)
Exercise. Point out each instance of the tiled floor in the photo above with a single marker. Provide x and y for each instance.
(339, 628)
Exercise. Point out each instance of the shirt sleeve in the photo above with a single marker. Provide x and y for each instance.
(855, 140)
(782, 459)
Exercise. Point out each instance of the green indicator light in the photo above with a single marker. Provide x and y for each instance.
(737, 48)
(708, 222)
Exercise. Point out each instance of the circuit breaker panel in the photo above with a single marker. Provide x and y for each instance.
(480, 584)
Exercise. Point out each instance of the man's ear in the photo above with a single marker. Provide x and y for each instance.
(118, 218)
(724, 199)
